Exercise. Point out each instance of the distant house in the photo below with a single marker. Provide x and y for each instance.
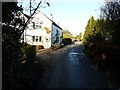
(42, 31)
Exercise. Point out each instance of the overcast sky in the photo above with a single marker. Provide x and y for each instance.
(71, 14)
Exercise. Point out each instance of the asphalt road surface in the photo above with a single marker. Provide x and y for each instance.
(72, 69)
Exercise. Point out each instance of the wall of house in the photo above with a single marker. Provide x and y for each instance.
(60, 36)
(46, 26)
(38, 28)
(42, 31)
(56, 35)
(45, 22)
(33, 37)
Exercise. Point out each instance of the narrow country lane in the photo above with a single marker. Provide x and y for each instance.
(72, 69)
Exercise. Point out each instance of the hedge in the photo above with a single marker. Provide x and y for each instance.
(29, 53)
(105, 57)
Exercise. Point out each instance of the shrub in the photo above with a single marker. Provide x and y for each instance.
(39, 47)
(67, 41)
(29, 53)
(106, 58)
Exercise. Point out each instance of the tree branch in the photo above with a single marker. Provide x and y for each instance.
(32, 15)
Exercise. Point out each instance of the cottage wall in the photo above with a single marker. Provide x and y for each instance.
(56, 35)
(42, 31)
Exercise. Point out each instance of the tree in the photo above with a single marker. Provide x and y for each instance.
(13, 25)
(67, 34)
(79, 36)
(89, 30)
(111, 12)
(11, 33)
(98, 31)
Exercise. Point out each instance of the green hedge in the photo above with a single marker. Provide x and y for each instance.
(105, 57)
(29, 53)
(67, 41)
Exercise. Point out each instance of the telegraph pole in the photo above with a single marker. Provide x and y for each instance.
(90, 27)
(30, 7)
(90, 24)
(51, 16)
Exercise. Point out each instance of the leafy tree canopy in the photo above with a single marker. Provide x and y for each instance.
(67, 34)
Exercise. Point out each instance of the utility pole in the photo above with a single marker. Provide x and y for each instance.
(90, 24)
(30, 7)
(90, 27)
(51, 16)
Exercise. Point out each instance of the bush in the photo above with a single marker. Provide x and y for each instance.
(29, 53)
(106, 58)
(67, 41)
(56, 46)
(39, 47)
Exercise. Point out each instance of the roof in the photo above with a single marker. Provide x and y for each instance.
(46, 17)
(52, 21)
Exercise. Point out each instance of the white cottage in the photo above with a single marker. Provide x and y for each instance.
(42, 31)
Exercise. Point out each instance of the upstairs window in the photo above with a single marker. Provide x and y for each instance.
(38, 26)
(33, 25)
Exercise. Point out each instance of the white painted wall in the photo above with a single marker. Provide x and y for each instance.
(45, 21)
(41, 21)
(28, 36)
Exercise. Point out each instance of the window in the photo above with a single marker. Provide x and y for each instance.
(57, 32)
(39, 38)
(47, 39)
(33, 38)
(33, 25)
(38, 26)
(36, 38)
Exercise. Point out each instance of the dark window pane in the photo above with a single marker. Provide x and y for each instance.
(39, 38)
(36, 38)
(33, 37)
(33, 24)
